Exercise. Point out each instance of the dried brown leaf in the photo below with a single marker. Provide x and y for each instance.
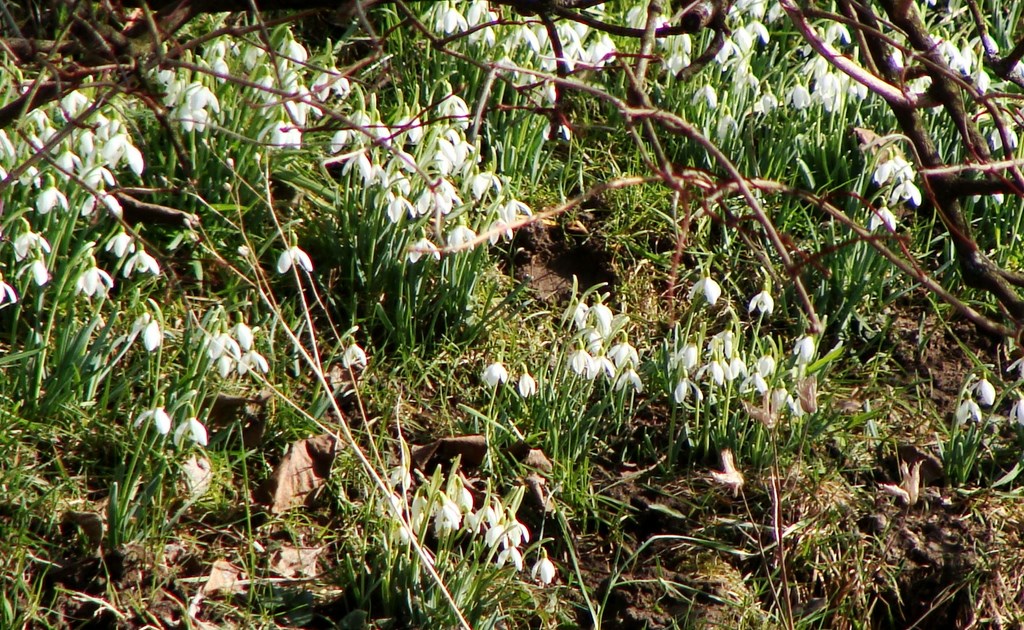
(198, 474)
(225, 579)
(296, 562)
(90, 524)
(807, 391)
(530, 457)
(471, 449)
(303, 469)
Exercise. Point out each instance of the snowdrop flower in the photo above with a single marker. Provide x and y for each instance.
(152, 336)
(481, 183)
(494, 374)
(799, 97)
(1017, 412)
(968, 410)
(711, 290)
(354, 356)
(7, 294)
(447, 516)
(544, 570)
(882, 216)
(460, 236)
(583, 364)
(763, 303)
(252, 361)
(398, 207)
(142, 262)
(708, 94)
(804, 350)
(985, 392)
(222, 344)
(603, 365)
(629, 377)
(120, 245)
(527, 385)
(29, 241)
(1017, 365)
(624, 355)
(49, 199)
(196, 432)
(294, 256)
(160, 419)
(120, 148)
(686, 357)
(40, 274)
(510, 554)
(243, 334)
(766, 365)
(94, 282)
(579, 315)
(421, 248)
(907, 191)
(683, 389)
(602, 318)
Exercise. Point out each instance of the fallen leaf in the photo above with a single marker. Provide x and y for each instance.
(249, 411)
(90, 524)
(537, 492)
(530, 457)
(302, 470)
(225, 579)
(296, 562)
(471, 449)
(198, 475)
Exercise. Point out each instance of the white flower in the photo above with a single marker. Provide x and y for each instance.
(602, 318)
(447, 516)
(968, 410)
(161, 420)
(28, 241)
(624, 355)
(7, 294)
(1017, 365)
(151, 335)
(251, 360)
(985, 392)
(94, 282)
(49, 199)
(603, 365)
(766, 365)
(243, 334)
(221, 345)
(799, 97)
(711, 290)
(142, 262)
(763, 302)
(544, 570)
(196, 432)
(804, 350)
(294, 256)
(511, 554)
(686, 357)
(120, 244)
(421, 248)
(579, 315)
(494, 374)
(882, 216)
(583, 364)
(1017, 412)
(460, 236)
(683, 389)
(629, 377)
(354, 356)
(39, 272)
(527, 385)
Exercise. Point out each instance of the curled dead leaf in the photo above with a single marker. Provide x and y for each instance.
(807, 391)
(225, 579)
(198, 475)
(303, 469)
(296, 562)
(89, 523)
(530, 457)
(470, 449)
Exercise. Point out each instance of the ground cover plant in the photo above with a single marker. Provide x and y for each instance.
(513, 314)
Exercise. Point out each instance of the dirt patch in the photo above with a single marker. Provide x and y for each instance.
(934, 351)
(548, 259)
